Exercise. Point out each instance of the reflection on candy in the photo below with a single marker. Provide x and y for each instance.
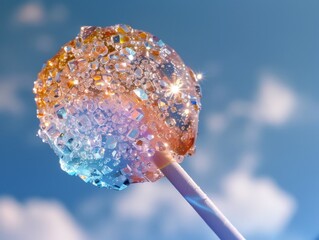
(113, 97)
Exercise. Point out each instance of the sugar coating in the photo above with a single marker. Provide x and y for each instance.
(112, 97)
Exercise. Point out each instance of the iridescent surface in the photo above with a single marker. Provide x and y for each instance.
(111, 98)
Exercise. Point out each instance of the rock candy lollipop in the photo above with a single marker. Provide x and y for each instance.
(118, 106)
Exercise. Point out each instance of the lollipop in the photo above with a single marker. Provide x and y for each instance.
(118, 106)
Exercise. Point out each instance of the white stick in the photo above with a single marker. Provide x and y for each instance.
(200, 202)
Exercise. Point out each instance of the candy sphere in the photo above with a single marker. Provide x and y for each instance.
(113, 97)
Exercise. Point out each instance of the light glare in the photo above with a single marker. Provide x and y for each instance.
(199, 76)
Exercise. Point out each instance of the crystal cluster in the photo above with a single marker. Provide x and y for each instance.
(111, 98)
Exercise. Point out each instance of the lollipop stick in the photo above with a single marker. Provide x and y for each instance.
(200, 202)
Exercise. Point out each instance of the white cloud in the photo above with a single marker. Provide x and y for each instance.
(202, 161)
(147, 201)
(130, 205)
(217, 122)
(34, 13)
(36, 220)
(146, 210)
(256, 205)
(239, 108)
(275, 103)
(31, 13)
(9, 96)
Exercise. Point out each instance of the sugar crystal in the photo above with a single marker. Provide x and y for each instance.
(113, 97)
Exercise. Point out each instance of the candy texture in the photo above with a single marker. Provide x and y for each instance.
(111, 98)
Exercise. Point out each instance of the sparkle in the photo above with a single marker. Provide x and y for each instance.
(199, 76)
(175, 87)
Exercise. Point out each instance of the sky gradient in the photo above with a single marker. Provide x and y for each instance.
(257, 149)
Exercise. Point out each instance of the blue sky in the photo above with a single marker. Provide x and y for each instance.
(257, 152)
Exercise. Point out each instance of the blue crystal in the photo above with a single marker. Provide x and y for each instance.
(84, 123)
(66, 150)
(133, 133)
(68, 168)
(98, 152)
(110, 142)
(70, 140)
(160, 43)
(131, 53)
(99, 117)
(61, 113)
(168, 69)
(96, 173)
(113, 56)
(193, 100)
(121, 182)
(198, 90)
(116, 39)
(147, 45)
(114, 153)
(106, 169)
(141, 94)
